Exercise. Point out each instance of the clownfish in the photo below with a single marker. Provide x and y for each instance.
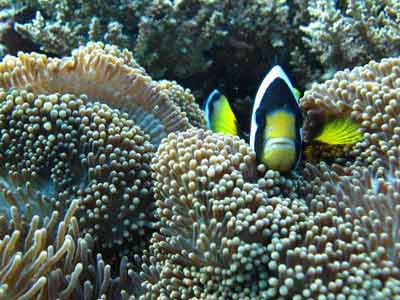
(276, 123)
(276, 132)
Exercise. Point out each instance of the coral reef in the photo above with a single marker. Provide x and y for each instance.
(179, 40)
(345, 34)
(184, 39)
(99, 163)
(10, 41)
(189, 40)
(62, 25)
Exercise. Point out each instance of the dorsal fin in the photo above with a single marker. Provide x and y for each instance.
(219, 115)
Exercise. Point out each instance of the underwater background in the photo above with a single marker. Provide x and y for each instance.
(112, 187)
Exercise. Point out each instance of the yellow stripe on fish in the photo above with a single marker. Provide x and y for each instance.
(280, 124)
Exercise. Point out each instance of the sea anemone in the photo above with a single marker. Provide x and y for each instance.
(48, 259)
(102, 73)
(330, 230)
(85, 127)
(57, 148)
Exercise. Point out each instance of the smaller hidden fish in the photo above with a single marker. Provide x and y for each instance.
(276, 123)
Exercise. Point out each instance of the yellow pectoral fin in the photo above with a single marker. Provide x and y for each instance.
(223, 119)
(340, 132)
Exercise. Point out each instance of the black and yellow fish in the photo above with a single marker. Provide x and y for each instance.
(276, 123)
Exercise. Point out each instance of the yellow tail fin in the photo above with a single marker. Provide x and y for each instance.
(340, 132)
